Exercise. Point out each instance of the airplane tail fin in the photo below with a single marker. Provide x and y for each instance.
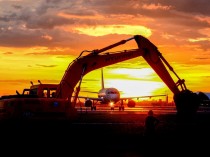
(102, 79)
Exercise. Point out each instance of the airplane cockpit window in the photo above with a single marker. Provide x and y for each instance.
(112, 92)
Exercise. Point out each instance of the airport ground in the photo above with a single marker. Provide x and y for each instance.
(108, 134)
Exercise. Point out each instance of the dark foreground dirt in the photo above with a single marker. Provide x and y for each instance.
(111, 135)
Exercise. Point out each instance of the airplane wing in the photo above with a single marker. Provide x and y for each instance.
(131, 103)
(90, 98)
(122, 98)
(137, 97)
(90, 101)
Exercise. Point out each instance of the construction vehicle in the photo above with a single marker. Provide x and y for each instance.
(66, 92)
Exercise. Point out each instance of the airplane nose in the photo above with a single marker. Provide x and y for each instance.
(114, 97)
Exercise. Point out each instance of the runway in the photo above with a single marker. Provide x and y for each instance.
(136, 110)
(107, 133)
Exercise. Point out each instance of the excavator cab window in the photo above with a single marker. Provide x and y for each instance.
(45, 93)
(33, 91)
(52, 93)
(49, 92)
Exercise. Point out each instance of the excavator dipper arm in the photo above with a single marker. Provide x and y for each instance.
(186, 101)
(89, 63)
(96, 59)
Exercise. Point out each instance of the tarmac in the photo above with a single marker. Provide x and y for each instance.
(106, 134)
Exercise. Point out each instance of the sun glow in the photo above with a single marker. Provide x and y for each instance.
(134, 73)
(130, 82)
(129, 88)
(137, 82)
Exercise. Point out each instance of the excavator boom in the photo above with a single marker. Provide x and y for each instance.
(85, 64)
(98, 59)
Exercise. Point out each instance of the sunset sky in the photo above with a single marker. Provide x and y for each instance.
(38, 40)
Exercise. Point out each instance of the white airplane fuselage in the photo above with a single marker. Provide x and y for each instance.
(109, 95)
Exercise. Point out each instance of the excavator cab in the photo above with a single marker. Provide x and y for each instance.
(43, 90)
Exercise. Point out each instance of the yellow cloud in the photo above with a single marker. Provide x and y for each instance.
(47, 37)
(114, 29)
(199, 39)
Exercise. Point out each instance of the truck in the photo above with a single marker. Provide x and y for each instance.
(60, 99)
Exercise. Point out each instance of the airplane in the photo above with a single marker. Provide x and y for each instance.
(111, 96)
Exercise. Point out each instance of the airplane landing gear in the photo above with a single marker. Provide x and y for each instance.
(121, 108)
(93, 108)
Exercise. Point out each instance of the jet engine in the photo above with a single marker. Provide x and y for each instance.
(131, 103)
(88, 103)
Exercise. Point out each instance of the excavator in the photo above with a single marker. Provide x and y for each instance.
(65, 95)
